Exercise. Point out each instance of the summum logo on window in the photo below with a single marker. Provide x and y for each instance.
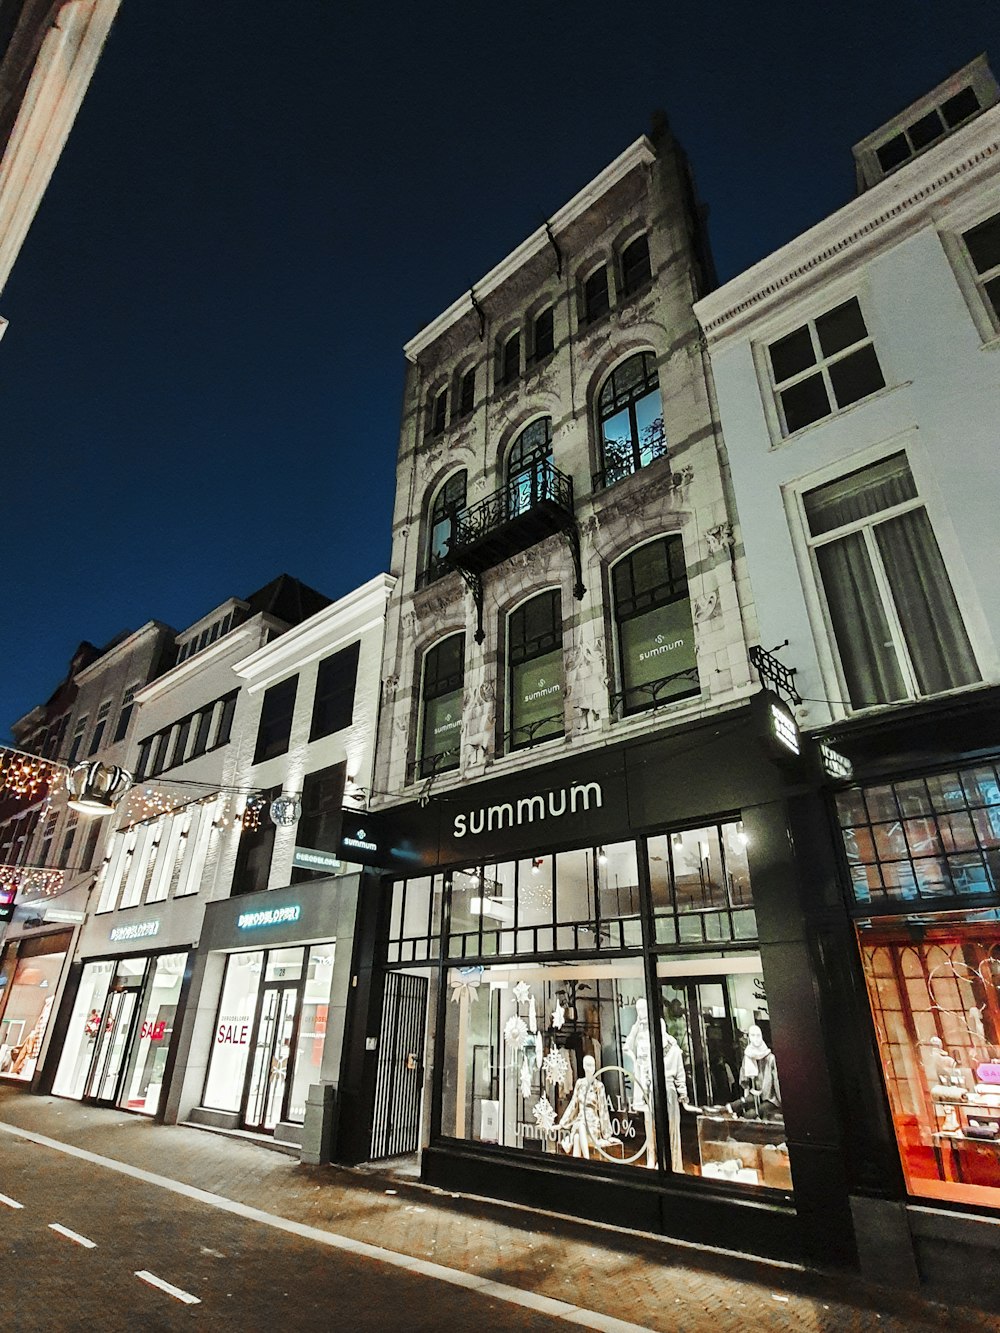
(662, 647)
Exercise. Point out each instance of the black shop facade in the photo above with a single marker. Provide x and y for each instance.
(592, 989)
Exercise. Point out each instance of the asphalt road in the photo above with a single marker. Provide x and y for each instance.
(244, 1274)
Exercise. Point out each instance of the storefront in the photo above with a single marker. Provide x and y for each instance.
(272, 983)
(30, 972)
(618, 1018)
(122, 1024)
(919, 835)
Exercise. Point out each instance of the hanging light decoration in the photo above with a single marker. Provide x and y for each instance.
(286, 810)
(95, 789)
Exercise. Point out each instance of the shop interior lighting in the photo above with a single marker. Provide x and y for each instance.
(497, 908)
(536, 865)
(602, 856)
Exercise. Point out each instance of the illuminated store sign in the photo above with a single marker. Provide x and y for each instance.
(579, 797)
(784, 730)
(835, 764)
(138, 930)
(308, 858)
(269, 916)
(360, 842)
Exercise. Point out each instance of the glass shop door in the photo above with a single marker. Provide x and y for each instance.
(269, 1070)
(113, 1040)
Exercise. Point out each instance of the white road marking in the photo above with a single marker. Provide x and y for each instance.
(530, 1300)
(73, 1235)
(144, 1275)
(11, 1203)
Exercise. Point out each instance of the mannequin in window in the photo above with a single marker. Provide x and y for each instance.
(761, 1099)
(638, 1046)
(587, 1118)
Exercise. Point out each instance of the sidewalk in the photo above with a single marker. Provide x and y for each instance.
(654, 1283)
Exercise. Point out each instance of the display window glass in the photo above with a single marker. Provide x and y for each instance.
(26, 1013)
(700, 885)
(923, 838)
(724, 1107)
(935, 995)
(84, 1028)
(270, 1034)
(307, 1058)
(233, 1031)
(151, 1042)
(548, 1059)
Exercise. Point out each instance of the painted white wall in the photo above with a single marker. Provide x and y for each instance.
(940, 356)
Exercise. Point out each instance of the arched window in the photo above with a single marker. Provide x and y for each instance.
(635, 268)
(441, 706)
(654, 629)
(630, 419)
(535, 671)
(527, 477)
(447, 503)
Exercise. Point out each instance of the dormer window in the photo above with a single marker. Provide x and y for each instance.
(927, 129)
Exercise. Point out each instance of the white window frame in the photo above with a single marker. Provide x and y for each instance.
(952, 232)
(170, 847)
(196, 850)
(115, 867)
(135, 879)
(774, 408)
(817, 609)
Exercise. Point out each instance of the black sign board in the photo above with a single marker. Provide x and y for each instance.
(377, 839)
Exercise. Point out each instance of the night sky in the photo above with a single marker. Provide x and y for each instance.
(260, 203)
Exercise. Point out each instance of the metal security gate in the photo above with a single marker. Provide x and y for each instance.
(400, 1077)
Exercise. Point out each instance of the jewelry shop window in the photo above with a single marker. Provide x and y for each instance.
(535, 685)
(935, 997)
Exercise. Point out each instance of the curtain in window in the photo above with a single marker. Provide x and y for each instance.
(932, 625)
(859, 495)
(859, 622)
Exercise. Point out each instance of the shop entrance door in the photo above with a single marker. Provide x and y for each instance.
(268, 1088)
(400, 1078)
(113, 1041)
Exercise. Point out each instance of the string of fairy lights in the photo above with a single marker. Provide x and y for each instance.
(35, 781)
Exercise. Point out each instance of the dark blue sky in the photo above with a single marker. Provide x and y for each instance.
(259, 203)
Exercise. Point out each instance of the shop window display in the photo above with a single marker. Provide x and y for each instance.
(151, 1042)
(84, 1028)
(26, 1013)
(270, 1033)
(935, 997)
(542, 1058)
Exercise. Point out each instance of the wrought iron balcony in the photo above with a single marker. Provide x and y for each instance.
(535, 504)
(655, 693)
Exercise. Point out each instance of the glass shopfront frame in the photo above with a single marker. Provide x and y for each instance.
(551, 967)
(120, 1033)
(270, 1034)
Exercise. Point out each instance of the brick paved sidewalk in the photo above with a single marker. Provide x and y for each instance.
(651, 1282)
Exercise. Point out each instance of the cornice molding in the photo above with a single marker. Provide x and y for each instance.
(637, 154)
(877, 215)
(152, 628)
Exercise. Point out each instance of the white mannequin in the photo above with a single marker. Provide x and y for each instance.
(587, 1118)
(639, 1046)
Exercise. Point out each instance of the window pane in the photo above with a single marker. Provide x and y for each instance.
(855, 376)
(992, 290)
(442, 732)
(649, 420)
(233, 1029)
(658, 655)
(635, 264)
(618, 880)
(536, 698)
(892, 153)
(859, 495)
(595, 295)
(792, 354)
(841, 327)
(575, 886)
(698, 879)
(860, 625)
(804, 403)
(307, 1058)
(983, 243)
(925, 130)
(960, 107)
(544, 329)
(936, 639)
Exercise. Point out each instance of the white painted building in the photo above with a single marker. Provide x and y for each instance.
(857, 371)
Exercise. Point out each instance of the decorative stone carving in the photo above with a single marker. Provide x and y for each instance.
(720, 538)
(389, 687)
(479, 705)
(586, 682)
(706, 606)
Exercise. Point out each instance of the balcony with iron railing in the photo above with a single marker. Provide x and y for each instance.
(534, 504)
